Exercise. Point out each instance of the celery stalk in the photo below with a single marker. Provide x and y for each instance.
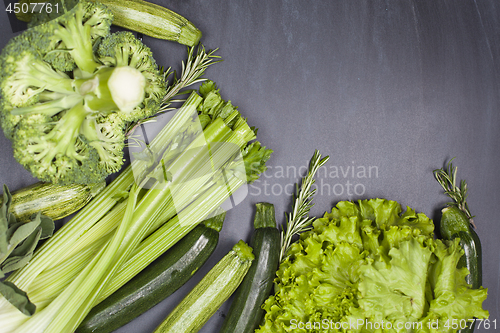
(169, 234)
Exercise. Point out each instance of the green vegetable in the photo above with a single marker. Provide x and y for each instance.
(140, 215)
(245, 312)
(159, 280)
(18, 241)
(370, 262)
(209, 294)
(153, 20)
(69, 91)
(456, 223)
(52, 200)
(141, 16)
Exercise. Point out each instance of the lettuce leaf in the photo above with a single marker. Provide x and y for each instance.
(396, 291)
(454, 299)
(370, 262)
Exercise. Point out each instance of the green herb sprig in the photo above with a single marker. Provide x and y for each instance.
(192, 70)
(18, 241)
(299, 220)
(447, 178)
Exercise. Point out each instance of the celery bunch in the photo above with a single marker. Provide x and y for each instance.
(196, 162)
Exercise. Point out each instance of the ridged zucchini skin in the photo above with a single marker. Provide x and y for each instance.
(141, 16)
(245, 313)
(208, 295)
(52, 200)
(153, 20)
(472, 257)
(454, 223)
(156, 282)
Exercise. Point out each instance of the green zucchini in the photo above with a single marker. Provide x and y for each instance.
(245, 313)
(208, 295)
(453, 220)
(140, 16)
(455, 224)
(52, 200)
(156, 282)
(153, 20)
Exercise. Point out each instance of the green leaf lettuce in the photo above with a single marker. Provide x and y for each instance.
(365, 267)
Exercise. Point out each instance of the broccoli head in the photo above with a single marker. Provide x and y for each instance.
(69, 89)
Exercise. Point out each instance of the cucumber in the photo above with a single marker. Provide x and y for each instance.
(454, 223)
(156, 282)
(52, 200)
(208, 295)
(245, 313)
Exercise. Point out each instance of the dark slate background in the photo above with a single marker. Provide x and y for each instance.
(395, 87)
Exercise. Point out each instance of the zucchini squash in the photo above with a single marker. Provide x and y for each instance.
(208, 295)
(153, 20)
(245, 313)
(156, 282)
(52, 200)
(139, 16)
(455, 224)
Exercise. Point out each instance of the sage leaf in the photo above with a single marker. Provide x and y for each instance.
(17, 297)
(18, 241)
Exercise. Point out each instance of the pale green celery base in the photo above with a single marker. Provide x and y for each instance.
(51, 283)
(43, 318)
(103, 228)
(10, 317)
(78, 305)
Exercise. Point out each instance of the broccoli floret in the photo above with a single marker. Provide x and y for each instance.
(69, 89)
(123, 49)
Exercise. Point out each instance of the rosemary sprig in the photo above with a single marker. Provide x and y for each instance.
(298, 220)
(192, 70)
(448, 181)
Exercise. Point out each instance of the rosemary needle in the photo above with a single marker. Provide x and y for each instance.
(298, 220)
(448, 181)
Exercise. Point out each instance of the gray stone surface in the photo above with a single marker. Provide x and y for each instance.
(392, 87)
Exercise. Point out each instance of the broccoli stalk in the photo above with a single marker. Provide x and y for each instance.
(69, 91)
(112, 89)
(62, 137)
(77, 38)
